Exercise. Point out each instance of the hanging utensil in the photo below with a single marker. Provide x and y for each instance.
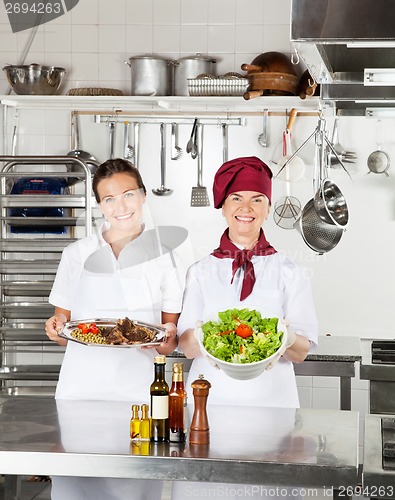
(224, 142)
(379, 161)
(128, 149)
(176, 151)
(342, 154)
(291, 167)
(136, 144)
(287, 209)
(263, 137)
(191, 145)
(318, 235)
(199, 196)
(111, 127)
(162, 190)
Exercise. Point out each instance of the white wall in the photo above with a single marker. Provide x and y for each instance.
(353, 284)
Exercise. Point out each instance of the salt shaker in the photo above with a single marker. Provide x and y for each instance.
(200, 430)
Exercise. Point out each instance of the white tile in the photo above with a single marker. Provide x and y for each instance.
(85, 38)
(277, 38)
(222, 12)
(248, 38)
(112, 67)
(138, 12)
(8, 42)
(112, 12)
(85, 67)
(226, 64)
(56, 122)
(276, 12)
(360, 401)
(193, 12)
(305, 397)
(85, 13)
(167, 12)
(37, 44)
(326, 399)
(58, 38)
(139, 39)
(221, 39)
(194, 39)
(251, 15)
(112, 38)
(166, 39)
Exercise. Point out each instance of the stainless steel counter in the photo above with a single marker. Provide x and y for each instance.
(304, 447)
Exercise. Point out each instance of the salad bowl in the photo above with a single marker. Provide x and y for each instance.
(243, 367)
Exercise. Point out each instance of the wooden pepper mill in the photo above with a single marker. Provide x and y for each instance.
(200, 430)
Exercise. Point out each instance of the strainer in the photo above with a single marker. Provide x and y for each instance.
(316, 233)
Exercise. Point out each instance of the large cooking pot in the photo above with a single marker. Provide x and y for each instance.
(191, 67)
(151, 75)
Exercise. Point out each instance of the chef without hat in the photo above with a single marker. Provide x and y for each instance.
(242, 174)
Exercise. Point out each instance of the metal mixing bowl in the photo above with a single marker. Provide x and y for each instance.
(34, 79)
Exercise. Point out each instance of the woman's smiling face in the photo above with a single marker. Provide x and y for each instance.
(121, 202)
(245, 213)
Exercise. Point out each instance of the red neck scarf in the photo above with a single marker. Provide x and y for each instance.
(242, 258)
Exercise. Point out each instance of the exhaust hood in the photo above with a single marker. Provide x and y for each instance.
(349, 49)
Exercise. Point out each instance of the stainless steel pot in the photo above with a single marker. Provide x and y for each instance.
(151, 75)
(191, 67)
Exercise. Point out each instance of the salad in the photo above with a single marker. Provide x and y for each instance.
(241, 336)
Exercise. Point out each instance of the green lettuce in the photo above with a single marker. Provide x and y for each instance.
(264, 341)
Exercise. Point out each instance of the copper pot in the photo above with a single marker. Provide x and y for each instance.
(276, 62)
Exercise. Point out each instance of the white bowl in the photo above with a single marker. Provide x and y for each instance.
(244, 371)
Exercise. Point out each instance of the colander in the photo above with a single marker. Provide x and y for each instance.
(320, 236)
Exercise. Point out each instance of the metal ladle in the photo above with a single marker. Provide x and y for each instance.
(162, 190)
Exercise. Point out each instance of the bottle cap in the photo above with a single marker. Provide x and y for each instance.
(178, 367)
(135, 407)
(160, 359)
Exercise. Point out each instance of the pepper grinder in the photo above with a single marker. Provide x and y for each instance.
(200, 430)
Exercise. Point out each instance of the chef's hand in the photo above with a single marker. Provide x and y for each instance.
(291, 339)
(171, 341)
(54, 325)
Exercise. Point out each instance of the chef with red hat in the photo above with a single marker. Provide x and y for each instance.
(246, 271)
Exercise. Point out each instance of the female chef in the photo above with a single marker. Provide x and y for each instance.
(104, 276)
(246, 271)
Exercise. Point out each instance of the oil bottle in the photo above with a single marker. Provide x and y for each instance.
(177, 405)
(145, 434)
(159, 392)
(135, 423)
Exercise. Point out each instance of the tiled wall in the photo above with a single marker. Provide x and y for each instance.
(96, 37)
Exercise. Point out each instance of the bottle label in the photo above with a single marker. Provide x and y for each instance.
(160, 407)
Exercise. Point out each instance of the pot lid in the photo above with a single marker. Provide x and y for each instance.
(198, 57)
(150, 57)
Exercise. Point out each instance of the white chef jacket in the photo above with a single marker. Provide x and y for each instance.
(92, 283)
(281, 287)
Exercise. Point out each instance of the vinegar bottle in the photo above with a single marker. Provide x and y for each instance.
(159, 392)
(177, 404)
(135, 423)
(145, 431)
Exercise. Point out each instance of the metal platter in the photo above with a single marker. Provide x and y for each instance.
(70, 326)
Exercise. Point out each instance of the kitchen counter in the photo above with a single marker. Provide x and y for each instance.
(285, 447)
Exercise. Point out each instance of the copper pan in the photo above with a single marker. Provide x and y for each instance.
(270, 62)
(265, 83)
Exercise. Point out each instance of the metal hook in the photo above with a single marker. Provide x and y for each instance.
(295, 53)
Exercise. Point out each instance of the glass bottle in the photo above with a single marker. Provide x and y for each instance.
(159, 392)
(135, 423)
(145, 433)
(177, 404)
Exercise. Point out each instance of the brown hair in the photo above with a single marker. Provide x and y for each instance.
(116, 166)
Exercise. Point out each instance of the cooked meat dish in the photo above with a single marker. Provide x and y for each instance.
(126, 332)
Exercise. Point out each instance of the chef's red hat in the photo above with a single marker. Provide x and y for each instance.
(242, 174)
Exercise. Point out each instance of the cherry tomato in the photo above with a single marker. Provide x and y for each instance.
(84, 327)
(93, 328)
(243, 331)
